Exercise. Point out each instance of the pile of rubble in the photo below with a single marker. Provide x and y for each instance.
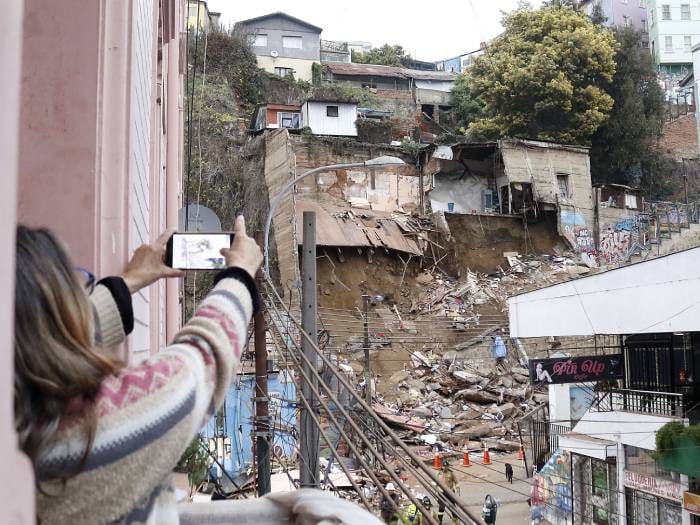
(443, 296)
(460, 407)
(454, 399)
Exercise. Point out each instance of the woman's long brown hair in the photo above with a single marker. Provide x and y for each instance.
(55, 362)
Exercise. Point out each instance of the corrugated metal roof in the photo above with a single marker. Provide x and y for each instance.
(375, 70)
(342, 226)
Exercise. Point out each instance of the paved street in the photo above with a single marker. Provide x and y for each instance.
(478, 480)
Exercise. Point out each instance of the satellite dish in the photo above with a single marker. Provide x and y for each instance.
(274, 54)
(199, 219)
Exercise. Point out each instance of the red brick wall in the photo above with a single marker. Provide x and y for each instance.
(680, 137)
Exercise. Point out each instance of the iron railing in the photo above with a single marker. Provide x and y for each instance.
(641, 401)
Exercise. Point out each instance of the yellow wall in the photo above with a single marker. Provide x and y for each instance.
(203, 15)
(302, 67)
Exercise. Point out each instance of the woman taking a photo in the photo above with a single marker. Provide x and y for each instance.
(104, 438)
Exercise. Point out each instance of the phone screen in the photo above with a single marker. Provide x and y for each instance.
(199, 251)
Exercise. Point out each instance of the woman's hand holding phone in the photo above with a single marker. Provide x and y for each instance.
(147, 265)
(244, 252)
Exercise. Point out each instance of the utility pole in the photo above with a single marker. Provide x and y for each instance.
(309, 435)
(262, 414)
(368, 371)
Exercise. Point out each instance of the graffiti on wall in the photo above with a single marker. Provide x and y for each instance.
(618, 238)
(551, 488)
(579, 235)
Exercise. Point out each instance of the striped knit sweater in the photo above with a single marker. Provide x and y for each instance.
(147, 414)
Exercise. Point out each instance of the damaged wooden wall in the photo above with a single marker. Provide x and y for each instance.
(279, 170)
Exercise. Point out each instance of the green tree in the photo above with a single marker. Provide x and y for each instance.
(544, 78)
(466, 108)
(387, 55)
(624, 147)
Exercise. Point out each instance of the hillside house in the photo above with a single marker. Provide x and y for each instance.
(330, 117)
(283, 44)
(525, 178)
(274, 116)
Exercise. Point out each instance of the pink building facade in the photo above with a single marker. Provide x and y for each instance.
(91, 142)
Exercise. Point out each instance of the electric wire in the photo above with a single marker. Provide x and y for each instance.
(362, 403)
(332, 449)
(368, 470)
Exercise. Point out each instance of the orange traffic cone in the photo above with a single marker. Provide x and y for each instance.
(521, 454)
(437, 462)
(465, 458)
(487, 457)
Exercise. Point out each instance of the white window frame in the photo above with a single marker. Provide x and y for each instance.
(282, 115)
(282, 71)
(686, 14)
(287, 39)
(687, 43)
(567, 179)
(666, 10)
(260, 40)
(668, 39)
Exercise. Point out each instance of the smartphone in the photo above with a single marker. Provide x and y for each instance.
(197, 251)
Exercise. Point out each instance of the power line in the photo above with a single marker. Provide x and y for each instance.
(365, 406)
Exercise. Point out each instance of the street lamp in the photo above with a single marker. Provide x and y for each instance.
(377, 162)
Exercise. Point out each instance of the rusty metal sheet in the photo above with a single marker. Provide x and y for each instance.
(342, 226)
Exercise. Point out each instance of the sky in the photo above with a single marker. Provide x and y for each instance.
(428, 30)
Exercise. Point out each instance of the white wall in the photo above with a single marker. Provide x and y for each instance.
(314, 116)
(139, 161)
(696, 67)
(466, 193)
(661, 295)
(676, 28)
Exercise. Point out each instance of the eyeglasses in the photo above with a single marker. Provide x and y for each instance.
(88, 279)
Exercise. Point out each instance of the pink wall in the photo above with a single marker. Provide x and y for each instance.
(57, 184)
(97, 163)
(16, 479)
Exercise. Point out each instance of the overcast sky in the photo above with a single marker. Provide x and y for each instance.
(429, 30)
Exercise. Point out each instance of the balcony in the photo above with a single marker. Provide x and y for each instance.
(642, 401)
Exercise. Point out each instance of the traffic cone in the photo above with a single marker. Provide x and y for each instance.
(465, 458)
(487, 457)
(437, 462)
(521, 454)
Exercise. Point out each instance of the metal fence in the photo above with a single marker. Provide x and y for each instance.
(641, 401)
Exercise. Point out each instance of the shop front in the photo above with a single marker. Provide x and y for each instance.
(652, 500)
(595, 491)
(691, 503)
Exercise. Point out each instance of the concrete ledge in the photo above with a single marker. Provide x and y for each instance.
(258, 511)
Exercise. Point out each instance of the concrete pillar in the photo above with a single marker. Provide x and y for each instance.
(685, 516)
(622, 501)
(16, 477)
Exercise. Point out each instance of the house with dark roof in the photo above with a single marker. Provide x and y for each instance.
(283, 44)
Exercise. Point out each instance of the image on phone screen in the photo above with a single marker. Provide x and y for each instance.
(197, 251)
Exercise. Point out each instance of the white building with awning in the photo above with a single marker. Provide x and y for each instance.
(655, 305)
